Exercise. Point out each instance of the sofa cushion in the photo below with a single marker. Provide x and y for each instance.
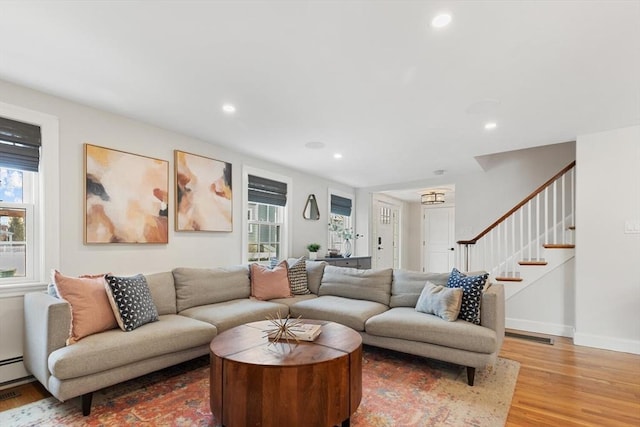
(90, 308)
(200, 286)
(472, 286)
(268, 283)
(408, 324)
(131, 301)
(294, 299)
(163, 292)
(315, 270)
(115, 348)
(349, 312)
(439, 300)
(298, 276)
(226, 315)
(371, 285)
(407, 286)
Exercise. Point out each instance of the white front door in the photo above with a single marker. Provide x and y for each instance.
(386, 229)
(439, 239)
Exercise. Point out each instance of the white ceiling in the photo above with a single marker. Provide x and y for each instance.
(369, 79)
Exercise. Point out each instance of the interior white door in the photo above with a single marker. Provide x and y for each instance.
(439, 239)
(386, 235)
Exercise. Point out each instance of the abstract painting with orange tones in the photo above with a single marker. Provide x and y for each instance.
(203, 193)
(126, 197)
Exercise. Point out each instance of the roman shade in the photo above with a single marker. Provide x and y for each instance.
(19, 145)
(340, 205)
(263, 190)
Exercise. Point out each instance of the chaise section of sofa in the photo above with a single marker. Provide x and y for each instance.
(404, 329)
(380, 304)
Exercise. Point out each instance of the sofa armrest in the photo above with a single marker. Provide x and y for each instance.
(492, 311)
(47, 321)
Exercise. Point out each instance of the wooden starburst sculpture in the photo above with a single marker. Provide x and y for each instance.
(282, 329)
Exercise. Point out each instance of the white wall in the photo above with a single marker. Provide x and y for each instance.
(607, 259)
(547, 306)
(79, 124)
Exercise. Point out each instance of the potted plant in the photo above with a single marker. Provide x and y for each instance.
(313, 250)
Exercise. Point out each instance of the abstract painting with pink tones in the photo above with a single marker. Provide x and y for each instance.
(203, 193)
(126, 197)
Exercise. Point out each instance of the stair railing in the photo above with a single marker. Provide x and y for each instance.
(543, 217)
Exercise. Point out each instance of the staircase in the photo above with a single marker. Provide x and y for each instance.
(529, 241)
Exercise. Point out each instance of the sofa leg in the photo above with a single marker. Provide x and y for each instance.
(86, 403)
(471, 375)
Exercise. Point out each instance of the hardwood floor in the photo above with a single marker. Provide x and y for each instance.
(24, 394)
(568, 385)
(558, 385)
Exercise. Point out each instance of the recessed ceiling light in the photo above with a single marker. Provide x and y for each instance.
(441, 20)
(490, 125)
(337, 156)
(228, 108)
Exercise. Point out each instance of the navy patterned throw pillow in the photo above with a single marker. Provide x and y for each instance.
(472, 287)
(131, 301)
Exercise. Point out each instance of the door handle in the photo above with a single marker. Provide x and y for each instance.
(451, 249)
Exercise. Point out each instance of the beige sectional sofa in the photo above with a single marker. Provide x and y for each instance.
(194, 305)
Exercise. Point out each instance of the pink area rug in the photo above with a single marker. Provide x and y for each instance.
(398, 390)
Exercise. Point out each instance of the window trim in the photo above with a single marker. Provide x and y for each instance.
(286, 240)
(46, 207)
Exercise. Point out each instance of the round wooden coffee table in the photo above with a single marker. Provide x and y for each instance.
(255, 382)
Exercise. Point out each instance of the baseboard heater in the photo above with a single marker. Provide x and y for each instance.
(5, 362)
(10, 361)
(542, 340)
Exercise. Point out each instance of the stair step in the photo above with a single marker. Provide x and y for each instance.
(508, 279)
(558, 246)
(532, 262)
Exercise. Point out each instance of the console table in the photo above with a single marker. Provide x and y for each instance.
(360, 262)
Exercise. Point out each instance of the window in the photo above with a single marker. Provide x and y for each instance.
(266, 226)
(29, 239)
(340, 221)
(19, 159)
(16, 223)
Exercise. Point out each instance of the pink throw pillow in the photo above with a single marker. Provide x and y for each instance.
(90, 309)
(270, 283)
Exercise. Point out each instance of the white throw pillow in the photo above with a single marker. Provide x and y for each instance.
(439, 300)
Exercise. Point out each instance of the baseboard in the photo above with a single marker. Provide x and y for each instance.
(607, 343)
(17, 382)
(539, 327)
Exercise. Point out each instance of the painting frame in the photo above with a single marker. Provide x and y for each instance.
(126, 197)
(203, 193)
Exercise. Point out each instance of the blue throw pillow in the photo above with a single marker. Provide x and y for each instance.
(472, 287)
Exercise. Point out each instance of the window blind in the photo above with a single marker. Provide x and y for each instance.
(340, 205)
(263, 190)
(19, 145)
